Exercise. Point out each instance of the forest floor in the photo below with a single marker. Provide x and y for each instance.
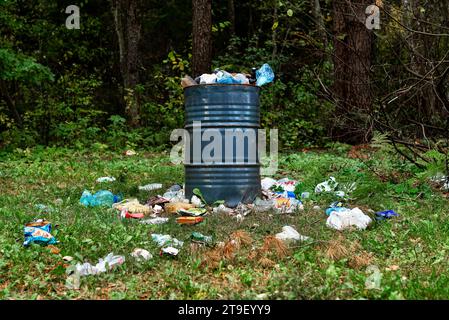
(409, 252)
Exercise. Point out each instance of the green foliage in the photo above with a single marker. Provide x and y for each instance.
(295, 109)
(436, 165)
(84, 104)
(18, 67)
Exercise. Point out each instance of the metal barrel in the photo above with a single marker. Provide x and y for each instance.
(222, 158)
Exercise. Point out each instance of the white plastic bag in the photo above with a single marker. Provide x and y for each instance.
(341, 220)
(290, 234)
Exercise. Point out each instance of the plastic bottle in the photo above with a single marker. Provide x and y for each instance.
(199, 237)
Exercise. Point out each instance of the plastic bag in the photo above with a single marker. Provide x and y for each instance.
(208, 78)
(382, 215)
(225, 77)
(264, 75)
(110, 260)
(101, 198)
(163, 239)
(290, 234)
(344, 219)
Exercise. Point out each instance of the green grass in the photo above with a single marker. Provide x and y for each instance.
(417, 241)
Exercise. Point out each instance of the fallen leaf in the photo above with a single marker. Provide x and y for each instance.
(392, 268)
(54, 249)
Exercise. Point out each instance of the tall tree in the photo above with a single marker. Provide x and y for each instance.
(352, 63)
(318, 16)
(231, 15)
(128, 27)
(202, 37)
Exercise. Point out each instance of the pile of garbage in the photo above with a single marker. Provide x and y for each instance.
(258, 77)
(283, 196)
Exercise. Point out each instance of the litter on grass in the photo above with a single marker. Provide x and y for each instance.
(264, 205)
(166, 239)
(103, 265)
(150, 187)
(125, 214)
(170, 251)
(222, 209)
(335, 206)
(141, 254)
(441, 180)
(192, 212)
(326, 186)
(157, 200)
(174, 207)
(281, 196)
(101, 198)
(130, 153)
(157, 220)
(174, 188)
(201, 238)
(382, 215)
(344, 219)
(373, 281)
(43, 208)
(131, 208)
(290, 234)
(331, 185)
(288, 205)
(175, 196)
(38, 231)
(106, 179)
(189, 220)
(196, 201)
(157, 209)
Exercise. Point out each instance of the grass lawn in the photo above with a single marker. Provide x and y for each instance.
(410, 251)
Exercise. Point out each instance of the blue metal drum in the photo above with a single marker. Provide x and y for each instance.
(223, 161)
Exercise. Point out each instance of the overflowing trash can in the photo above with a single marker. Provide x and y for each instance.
(222, 158)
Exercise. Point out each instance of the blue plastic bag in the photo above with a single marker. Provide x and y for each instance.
(335, 206)
(101, 198)
(264, 75)
(382, 215)
(224, 77)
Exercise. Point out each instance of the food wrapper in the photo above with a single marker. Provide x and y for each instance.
(173, 207)
(38, 231)
(189, 220)
(170, 251)
(192, 212)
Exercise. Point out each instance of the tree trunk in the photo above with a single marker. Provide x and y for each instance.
(231, 15)
(128, 28)
(4, 92)
(273, 34)
(202, 37)
(319, 21)
(352, 63)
